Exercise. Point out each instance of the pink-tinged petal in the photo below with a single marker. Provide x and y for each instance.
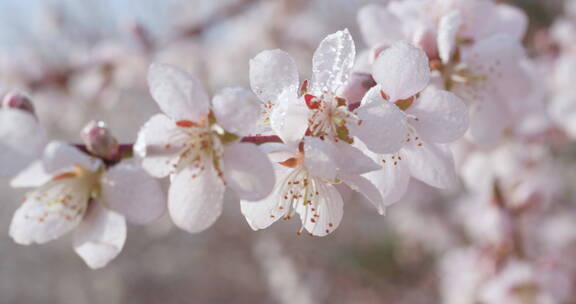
(367, 189)
(159, 144)
(50, 211)
(263, 213)
(333, 61)
(60, 156)
(272, 73)
(178, 94)
(320, 157)
(392, 180)
(289, 119)
(430, 163)
(447, 35)
(351, 160)
(33, 176)
(100, 237)
(487, 122)
(382, 128)
(439, 116)
(378, 26)
(329, 211)
(511, 20)
(401, 71)
(22, 139)
(248, 171)
(237, 110)
(195, 198)
(130, 191)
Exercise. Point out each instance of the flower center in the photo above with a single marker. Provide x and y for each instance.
(329, 117)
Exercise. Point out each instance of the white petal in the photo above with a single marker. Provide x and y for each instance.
(248, 171)
(289, 119)
(59, 156)
(378, 26)
(130, 191)
(330, 210)
(365, 187)
(442, 116)
(237, 110)
(159, 143)
(195, 198)
(392, 180)
(100, 237)
(50, 211)
(320, 157)
(401, 70)
(33, 176)
(447, 34)
(263, 213)
(511, 20)
(383, 126)
(333, 61)
(22, 139)
(431, 163)
(351, 160)
(178, 94)
(273, 72)
(487, 122)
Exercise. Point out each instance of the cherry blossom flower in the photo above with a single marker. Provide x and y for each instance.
(196, 143)
(77, 192)
(306, 180)
(475, 49)
(421, 120)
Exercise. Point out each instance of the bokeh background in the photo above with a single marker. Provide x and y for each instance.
(84, 60)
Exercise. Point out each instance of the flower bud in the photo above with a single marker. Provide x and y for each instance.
(99, 140)
(18, 100)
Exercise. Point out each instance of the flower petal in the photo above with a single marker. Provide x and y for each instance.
(447, 34)
(511, 20)
(33, 176)
(351, 160)
(100, 237)
(263, 213)
(431, 163)
(273, 72)
(330, 210)
(378, 26)
(442, 116)
(332, 62)
(22, 139)
(392, 180)
(159, 143)
(237, 110)
(365, 187)
(195, 198)
(178, 94)
(130, 191)
(289, 119)
(402, 71)
(248, 171)
(383, 126)
(50, 211)
(320, 157)
(60, 156)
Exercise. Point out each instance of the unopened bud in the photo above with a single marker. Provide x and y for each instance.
(99, 140)
(18, 100)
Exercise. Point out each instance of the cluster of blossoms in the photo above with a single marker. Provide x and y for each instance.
(445, 96)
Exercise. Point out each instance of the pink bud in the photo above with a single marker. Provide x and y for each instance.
(357, 87)
(18, 100)
(99, 140)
